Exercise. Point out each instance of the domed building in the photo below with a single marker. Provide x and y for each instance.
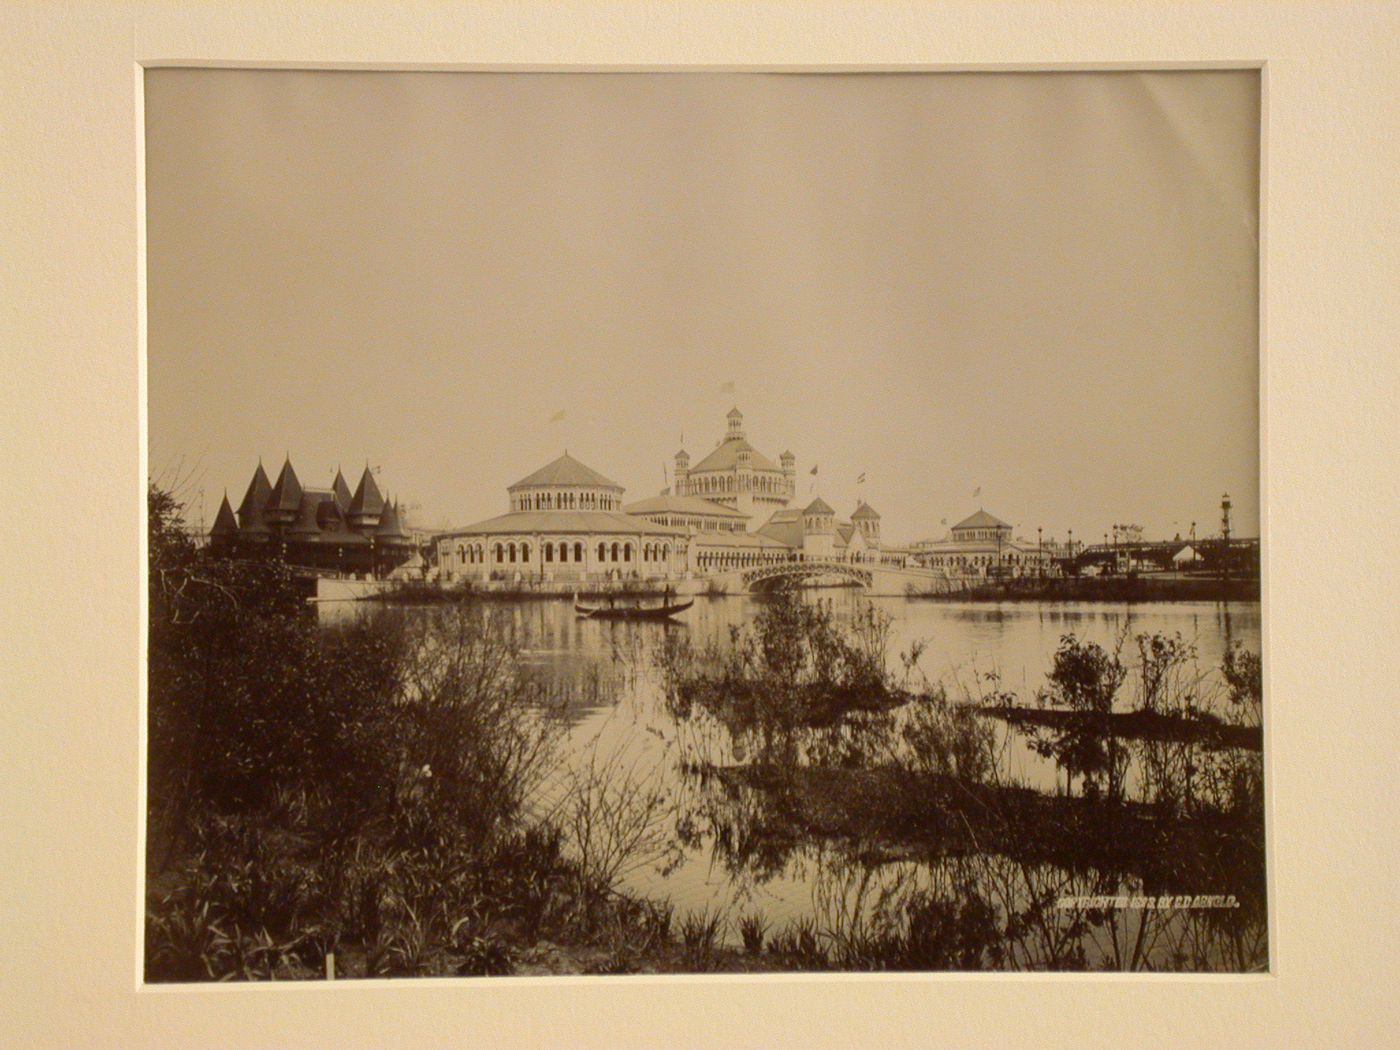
(982, 545)
(565, 523)
(738, 476)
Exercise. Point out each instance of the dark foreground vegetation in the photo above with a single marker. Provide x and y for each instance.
(385, 797)
(355, 800)
(1137, 588)
(1163, 800)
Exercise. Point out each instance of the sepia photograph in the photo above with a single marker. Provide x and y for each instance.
(703, 522)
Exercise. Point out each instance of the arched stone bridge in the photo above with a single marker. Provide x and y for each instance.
(756, 577)
(875, 579)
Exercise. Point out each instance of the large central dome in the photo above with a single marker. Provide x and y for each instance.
(565, 484)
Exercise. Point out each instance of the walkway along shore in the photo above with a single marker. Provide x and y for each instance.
(1071, 589)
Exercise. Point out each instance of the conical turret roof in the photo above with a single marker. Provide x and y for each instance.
(367, 499)
(342, 492)
(259, 489)
(286, 494)
(306, 527)
(224, 523)
(389, 526)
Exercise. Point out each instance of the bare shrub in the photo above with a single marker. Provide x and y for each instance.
(1244, 678)
(947, 739)
(618, 812)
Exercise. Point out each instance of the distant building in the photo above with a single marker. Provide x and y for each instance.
(737, 504)
(690, 512)
(731, 511)
(737, 475)
(566, 522)
(329, 530)
(982, 545)
(1186, 558)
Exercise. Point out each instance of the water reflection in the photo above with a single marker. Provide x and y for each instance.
(941, 905)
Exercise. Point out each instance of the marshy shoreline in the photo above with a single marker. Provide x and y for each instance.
(367, 799)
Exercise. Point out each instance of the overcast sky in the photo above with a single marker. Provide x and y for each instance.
(1040, 285)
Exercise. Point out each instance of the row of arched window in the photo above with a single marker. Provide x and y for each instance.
(565, 501)
(698, 522)
(508, 553)
(706, 484)
(960, 561)
(560, 552)
(719, 560)
(963, 535)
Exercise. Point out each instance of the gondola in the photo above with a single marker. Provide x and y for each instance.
(631, 612)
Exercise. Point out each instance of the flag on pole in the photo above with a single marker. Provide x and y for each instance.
(977, 492)
(557, 417)
(861, 480)
(814, 468)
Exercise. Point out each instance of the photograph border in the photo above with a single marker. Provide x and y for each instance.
(1324, 69)
(834, 70)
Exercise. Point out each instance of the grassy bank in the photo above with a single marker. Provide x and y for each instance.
(825, 749)
(1107, 589)
(1203, 728)
(419, 592)
(390, 793)
(359, 797)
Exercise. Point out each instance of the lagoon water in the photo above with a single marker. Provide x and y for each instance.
(616, 714)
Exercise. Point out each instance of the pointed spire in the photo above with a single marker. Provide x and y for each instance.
(367, 502)
(224, 523)
(342, 491)
(389, 526)
(286, 494)
(255, 499)
(306, 528)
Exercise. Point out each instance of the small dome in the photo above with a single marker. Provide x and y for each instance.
(566, 471)
(865, 510)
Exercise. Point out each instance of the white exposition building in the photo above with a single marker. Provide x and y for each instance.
(565, 522)
(981, 545)
(733, 509)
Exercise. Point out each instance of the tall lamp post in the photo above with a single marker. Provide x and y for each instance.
(1039, 553)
